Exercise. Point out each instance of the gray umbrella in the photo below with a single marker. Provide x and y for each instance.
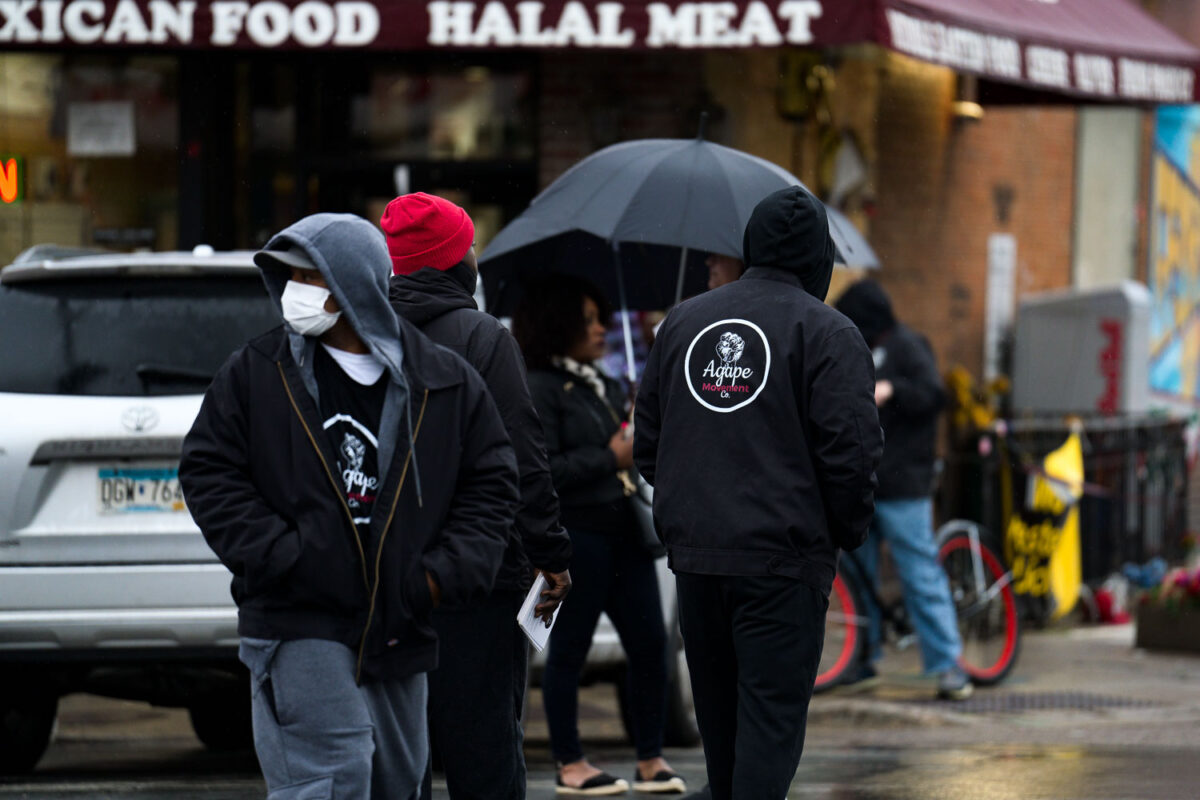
(653, 206)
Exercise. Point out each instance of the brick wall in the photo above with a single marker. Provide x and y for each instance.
(940, 189)
(591, 100)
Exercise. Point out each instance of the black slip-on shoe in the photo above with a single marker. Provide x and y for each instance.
(602, 785)
(663, 782)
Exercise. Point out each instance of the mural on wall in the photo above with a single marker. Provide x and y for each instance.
(1174, 270)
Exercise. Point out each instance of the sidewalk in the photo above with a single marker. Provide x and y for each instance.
(1085, 683)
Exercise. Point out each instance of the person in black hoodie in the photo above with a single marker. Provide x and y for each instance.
(908, 391)
(477, 694)
(755, 423)
(352, 476)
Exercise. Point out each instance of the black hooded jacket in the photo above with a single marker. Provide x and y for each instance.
(259, 476)
(442, 306)
(910, 417)
(756, 421)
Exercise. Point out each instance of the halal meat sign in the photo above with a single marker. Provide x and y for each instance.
(362, 24)
(714, 24)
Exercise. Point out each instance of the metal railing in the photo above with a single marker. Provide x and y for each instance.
(1134, 506)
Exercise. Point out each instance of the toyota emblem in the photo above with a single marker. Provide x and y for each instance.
(139, 419)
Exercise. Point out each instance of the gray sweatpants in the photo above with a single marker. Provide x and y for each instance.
(319, 736)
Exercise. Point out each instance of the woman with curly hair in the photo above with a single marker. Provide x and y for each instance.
(560, 326)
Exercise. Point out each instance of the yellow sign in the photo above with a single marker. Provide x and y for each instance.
(1042, 543)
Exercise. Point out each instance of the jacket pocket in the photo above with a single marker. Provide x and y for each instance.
(405, 615)
(279, 560)
(326, 576)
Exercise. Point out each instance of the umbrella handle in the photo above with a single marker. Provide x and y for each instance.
(683, 254)
(630, 370)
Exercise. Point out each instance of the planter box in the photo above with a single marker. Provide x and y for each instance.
(1168, 629)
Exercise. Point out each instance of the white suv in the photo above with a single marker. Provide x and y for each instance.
(106, 585)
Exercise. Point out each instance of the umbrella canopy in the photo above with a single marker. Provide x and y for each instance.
(638, 204)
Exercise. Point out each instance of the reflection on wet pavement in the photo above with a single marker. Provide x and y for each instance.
(969, 773)
(851, 773)
(996, 773)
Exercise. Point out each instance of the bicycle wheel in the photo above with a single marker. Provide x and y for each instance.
(986, 608)
(845, 635)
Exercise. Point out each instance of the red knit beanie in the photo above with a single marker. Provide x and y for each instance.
(425, 231)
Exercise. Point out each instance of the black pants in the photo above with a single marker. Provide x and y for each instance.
(753, 645)
(614, 574)
(475, 699)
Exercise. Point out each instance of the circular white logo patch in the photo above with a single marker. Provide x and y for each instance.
(727, 364)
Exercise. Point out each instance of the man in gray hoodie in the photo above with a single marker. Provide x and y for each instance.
(343, 526)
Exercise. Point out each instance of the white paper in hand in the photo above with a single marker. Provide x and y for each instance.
(535, 629)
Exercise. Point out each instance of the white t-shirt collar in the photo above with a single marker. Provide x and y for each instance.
(363, 368)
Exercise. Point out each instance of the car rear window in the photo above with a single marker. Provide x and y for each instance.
(126, 336)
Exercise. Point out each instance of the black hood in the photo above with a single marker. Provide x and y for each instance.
(789, 230)
(868, 307)
(428, 293)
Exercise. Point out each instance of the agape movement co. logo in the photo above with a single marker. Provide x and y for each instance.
(737, 374)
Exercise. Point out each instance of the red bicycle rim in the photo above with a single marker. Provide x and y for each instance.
(844, 597)
(1010, 608)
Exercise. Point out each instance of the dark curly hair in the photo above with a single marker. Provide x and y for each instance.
(549, 320)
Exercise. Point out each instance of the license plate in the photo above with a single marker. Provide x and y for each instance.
(138, 490)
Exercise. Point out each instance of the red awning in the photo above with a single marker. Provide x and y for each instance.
(1106, 49)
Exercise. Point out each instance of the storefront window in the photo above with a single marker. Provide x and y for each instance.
(91, 145)
(470, 113)
(350, 133)
(273, 107)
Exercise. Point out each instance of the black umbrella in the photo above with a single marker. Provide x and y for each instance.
(653, 207)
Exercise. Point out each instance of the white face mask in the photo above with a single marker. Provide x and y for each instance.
(304, 308)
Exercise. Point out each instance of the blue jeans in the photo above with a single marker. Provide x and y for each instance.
(907, 527)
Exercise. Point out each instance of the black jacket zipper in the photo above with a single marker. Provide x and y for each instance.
(372, 590)
(382, 536)
(337, 490)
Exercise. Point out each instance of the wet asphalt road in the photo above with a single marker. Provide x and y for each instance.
(109, 749)
(1008, 772)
